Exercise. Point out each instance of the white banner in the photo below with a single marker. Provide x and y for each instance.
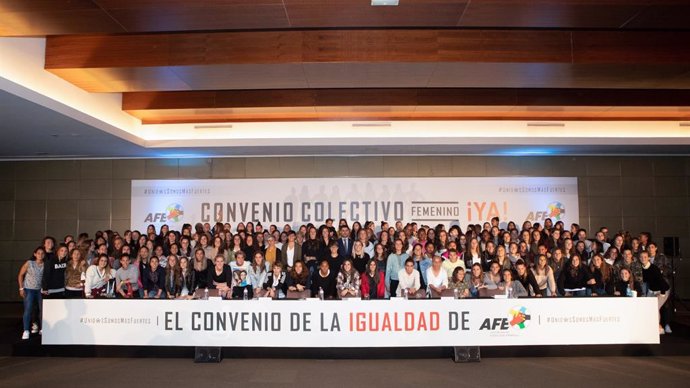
(351, 323)
(300, 201)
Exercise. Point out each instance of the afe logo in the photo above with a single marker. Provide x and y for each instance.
(517, 318)
(173, 212)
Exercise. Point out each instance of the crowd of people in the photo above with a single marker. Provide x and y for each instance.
(337, 261)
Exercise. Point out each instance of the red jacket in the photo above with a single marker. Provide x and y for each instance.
(380, 289)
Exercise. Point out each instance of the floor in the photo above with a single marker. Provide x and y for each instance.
(498, 372)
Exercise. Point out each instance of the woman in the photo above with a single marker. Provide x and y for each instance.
(271, 253)
(235, 246)
(512, 288)
(476, 280)
(441, 243)
(187, 281)
(201, 268)
(53, 281)
(258, 270)
(367, 246)
(472, 253)
(311, 249)
(29, 279)
(359, 257)
(380, 257)
(325, 241)
(173, 285)
(601, 274)
(626, 284)
(514, 252)
(557, 263)
(437, 277)
(298, 279)
(204, 244)
(99, 279)
(218, 248)
(162, 259)
(574, 278)
(385, 241)
(274, 286)
(654, 281)
(544, 276)
(323, 282)
(347, 280)
(291, 251)
(185, 248)
(74, 275)
(250, 246)
(219, 277)
(459, 283)
(395, 266)
(334, 259)
(493, 278)
(408, 278)
(373, 282)
(502, 259)
(153, 278)
(611, 256)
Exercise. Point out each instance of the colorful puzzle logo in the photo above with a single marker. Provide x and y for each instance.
(175, 212)
(519, 317)
(556, 210)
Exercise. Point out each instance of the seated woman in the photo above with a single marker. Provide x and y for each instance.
(153, 279)
(574, 278)
(408, 281)
(347, 280)
(274, 286)
(241, 285)
(100, 278)
(323, 281)
(544, 276)
(493, 278)
(459, 283)
(437, 277)
(527, 279)
(220, 277)
(626, 284)
(373, 282)
(476, 280)
(298, 281)
(513, 288)
(601, 274)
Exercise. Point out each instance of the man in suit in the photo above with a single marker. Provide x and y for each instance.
(345, 242)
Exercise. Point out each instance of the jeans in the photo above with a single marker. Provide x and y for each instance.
(31, 298)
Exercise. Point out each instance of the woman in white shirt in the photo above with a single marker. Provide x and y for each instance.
(98, 278)
(544, 275)
(436, 277)
(408, 281)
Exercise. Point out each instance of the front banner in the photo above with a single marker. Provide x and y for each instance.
(351, 323)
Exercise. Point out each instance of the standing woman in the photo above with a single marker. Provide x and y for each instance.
(324, 243)
(311, 249)
(53, 281)
(380, 257)
(395, 264)
(219, 248)
(74, 275)
(257, 272)
(236, 245)
(29, 279)
(291, 251)
(249, 246)
(359, 257)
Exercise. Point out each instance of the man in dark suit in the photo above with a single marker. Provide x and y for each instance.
(345, 242)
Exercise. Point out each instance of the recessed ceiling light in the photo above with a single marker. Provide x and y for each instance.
(545, 124)
(684, 124)
(382, 124)
(377, 3)
(213, 126)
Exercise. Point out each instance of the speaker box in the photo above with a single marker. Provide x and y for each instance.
(207, 354)
(671, 246)
(467, 354)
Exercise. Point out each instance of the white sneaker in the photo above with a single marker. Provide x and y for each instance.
(25, 335)
(667, 329)
(34, 328)
(661, 331)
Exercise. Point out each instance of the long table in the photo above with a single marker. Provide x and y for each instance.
(351, 323)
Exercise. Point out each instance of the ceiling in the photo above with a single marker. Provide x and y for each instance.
(178, 62)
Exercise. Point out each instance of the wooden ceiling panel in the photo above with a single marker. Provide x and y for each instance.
(360, 13)
(372, 75)
(106, 80)
(42, 23)
(638, 47)
(551, 13)
(258, 76)
(662, 15)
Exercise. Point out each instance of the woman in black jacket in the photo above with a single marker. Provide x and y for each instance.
(275, 282)
(625, 284)
(574, 278)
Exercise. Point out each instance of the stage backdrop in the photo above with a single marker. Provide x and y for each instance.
(351, 323)
(299, 201)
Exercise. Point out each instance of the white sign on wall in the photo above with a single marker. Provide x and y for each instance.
(352, 323)
(297, 202)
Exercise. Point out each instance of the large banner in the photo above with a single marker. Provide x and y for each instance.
(297, 202)
(351, 323)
